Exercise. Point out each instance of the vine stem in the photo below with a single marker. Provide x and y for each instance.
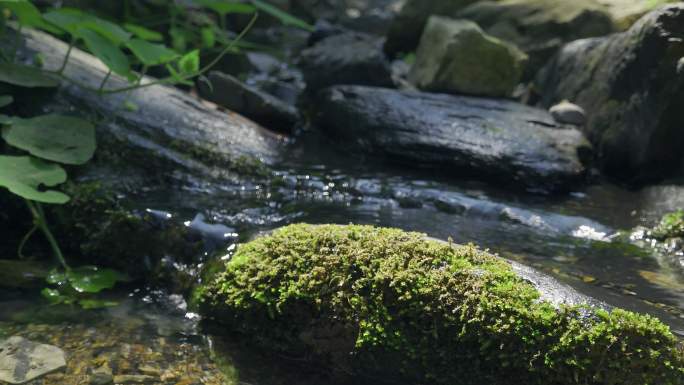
(104, 81)
(61, 69)
(20, 249)
(41, 222)
(168, 80)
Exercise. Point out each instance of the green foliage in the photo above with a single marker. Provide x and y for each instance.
(394, 304)
(26, 76)
(62, 139)
(25, 176)
(78, 286)
(671, 226)
(143, 33)
(111, 55)
(151, 54)
(5, 100)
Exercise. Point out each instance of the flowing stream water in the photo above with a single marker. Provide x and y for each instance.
(571, 237)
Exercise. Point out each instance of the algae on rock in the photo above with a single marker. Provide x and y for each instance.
(386, 302)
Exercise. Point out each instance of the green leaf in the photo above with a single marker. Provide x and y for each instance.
(27, 14)
(56, 277)
(92, 279)
(6, 100)
(179, 39)
(24, 175)
(67, 19)
(107, 29)
(143, 33)
(190, 63)
(53, 296)
(62, 139)
(283, 16)
(25, 76)
(208, 37)
(151, 54)
(225, 7)
(106, 51)
(7, 120)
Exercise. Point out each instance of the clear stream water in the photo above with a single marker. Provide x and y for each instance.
(570, 237)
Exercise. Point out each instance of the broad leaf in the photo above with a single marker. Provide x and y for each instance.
(190, 63)
(68, 19)
(281, 15)
(56, 277)
(151, 54)
(27, 14)
(55, 297)
(92, 279)
(208, 37)
(25, 76)
(143, 33)
(107, 29)
(6, 100)
(58, 138)
(26, 176)
(225, 7)
(106, 51)
(7, 120)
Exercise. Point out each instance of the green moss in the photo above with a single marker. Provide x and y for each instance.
(671, 226)
(386, 302)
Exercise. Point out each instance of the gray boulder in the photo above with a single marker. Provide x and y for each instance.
(22, 360)
(633, 96)
(348, 58)
(463, 136)
(456, 56)
(407, 27)
(568, 113)
(540, 27)
(265, 109)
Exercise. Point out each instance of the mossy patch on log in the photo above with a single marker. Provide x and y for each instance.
(386, 302)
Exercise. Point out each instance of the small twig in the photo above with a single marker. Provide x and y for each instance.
(66, 57)
(104, 81)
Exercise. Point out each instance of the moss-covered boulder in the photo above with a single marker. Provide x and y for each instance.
(632, 89)
(456, 56)
(407, 27)
(539, 27)
(670, 226)
(391, 303)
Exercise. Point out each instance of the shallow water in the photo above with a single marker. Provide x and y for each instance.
(570, 237)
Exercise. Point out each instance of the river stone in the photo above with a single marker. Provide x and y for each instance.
(633, 96)
(407, 27)
(347, 58)
(22, 360)
(626, 12)
(265, 109)
(492, 139)
(456, 56)
(568, 113)
(539, 27)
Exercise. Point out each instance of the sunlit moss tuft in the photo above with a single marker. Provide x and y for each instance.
(386, 302)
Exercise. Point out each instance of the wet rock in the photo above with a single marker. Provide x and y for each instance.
(425, 298)
(323, 30)
(491, 139)
(456, 56)
(568, 113)
(22, 360)
(626, 12)
(407, 27)
(629, 86)
(101, 378)
(539, 27)
(350, 58)
(265, 109)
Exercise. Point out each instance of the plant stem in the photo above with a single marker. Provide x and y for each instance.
(39, 217)
(72, 42)
(15, 48)
(104, 81)
(20, 249)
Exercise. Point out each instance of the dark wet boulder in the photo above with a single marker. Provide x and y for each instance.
(407, 27)
(347, 58)
(540, 27)
(491, 139)
(265, 109)
(456, 56)
(632, 93)
(396, 305)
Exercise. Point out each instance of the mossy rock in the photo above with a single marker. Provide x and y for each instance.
(384, 302)
(670, 226)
